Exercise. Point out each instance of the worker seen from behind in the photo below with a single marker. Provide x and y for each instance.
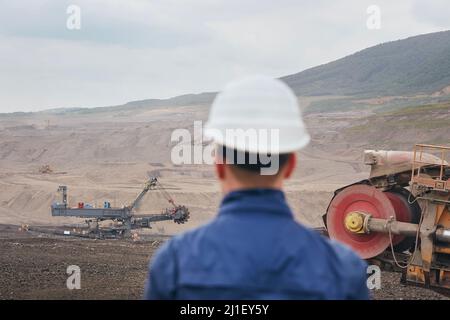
(253, 248)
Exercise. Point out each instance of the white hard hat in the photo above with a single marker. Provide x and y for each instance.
(257, 104)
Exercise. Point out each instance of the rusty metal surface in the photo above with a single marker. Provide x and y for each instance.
(436, 179)
(385, 162)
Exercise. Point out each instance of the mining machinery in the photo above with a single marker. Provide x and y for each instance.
(399, 218)
(124, 218)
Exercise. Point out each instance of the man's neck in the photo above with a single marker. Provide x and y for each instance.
(228, 186)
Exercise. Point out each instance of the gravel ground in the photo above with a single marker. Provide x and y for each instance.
(34, 267)
(392, 289)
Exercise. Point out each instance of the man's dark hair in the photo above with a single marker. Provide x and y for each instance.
(252, 162)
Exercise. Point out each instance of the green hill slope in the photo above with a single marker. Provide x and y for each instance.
(419, 64)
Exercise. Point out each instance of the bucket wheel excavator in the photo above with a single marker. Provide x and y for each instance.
(399, 218)
(124, 218)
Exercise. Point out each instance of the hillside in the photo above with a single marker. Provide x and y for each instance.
(419, 64)
(412, 66)
(402, 127)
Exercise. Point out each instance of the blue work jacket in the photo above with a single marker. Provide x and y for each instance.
(254, 249)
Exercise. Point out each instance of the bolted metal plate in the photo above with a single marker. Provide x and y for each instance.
(365, 199)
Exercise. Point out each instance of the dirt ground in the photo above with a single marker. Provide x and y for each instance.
(108, 156)
(33, 266)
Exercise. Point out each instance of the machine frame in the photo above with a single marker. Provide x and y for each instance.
(375, 220)
(124, 218)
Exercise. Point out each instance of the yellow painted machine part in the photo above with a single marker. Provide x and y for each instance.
(354, 222)
(438, 278)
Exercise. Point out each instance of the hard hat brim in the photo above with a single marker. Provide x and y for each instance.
(298, 138)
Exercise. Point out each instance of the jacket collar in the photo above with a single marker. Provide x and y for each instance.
(255, 201)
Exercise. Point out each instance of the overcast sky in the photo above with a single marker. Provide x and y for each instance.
(139, 49)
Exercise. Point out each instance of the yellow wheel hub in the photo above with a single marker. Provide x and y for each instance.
(354, 222)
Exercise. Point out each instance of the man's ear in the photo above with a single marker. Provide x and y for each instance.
(290, 165)
(220, 170)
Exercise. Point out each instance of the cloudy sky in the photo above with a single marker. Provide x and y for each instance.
(138, 49)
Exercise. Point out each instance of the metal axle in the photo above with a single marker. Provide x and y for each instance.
(363, 223)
